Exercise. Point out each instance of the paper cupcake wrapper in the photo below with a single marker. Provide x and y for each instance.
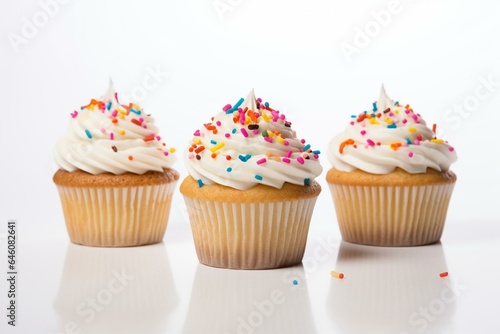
(391, 215)
(116, 216)
(250, 235)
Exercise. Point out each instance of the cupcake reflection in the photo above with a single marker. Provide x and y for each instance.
(232, 301)
(392, 290)
(115, 290)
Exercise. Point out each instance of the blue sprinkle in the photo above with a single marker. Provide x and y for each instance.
(137, 112)
(307, 181)
(213, 142)
(353, 116)
(295, 282)
(229, 169)
(244, 158)
(365, 112)
(109, 105)
(266, 104)
(305, 148)
(374, 106)
(373, 115)
(391, 126)
(258, 177)
(87, 132)
(234, 131)
(317, 152)
(200, 183)
(236, 106)
(396, 103)
(408, 141)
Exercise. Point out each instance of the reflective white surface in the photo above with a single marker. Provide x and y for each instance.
(161, 288)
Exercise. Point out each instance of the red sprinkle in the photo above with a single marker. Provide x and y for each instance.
(443, 274)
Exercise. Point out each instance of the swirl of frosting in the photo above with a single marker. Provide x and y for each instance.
(106, 136)
(250, 143)
(390, 135)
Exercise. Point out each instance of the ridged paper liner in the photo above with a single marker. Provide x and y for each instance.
(116, 216)
(250, 235)
(391, 215)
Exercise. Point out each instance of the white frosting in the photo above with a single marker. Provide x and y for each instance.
(377, 142)
(105, 136)
(280, 158)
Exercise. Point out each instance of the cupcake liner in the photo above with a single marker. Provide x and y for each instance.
(116, 216)
(250, 235)
(391, 215)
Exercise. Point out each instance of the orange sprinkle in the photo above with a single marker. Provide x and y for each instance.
(395, 146)
(337, 275)
(214, 155)
(361, 117)
(344, 143)
(122, 132)
(130, 157)
(199, 149)
(443, 274)
(434, 127)
(228, 157)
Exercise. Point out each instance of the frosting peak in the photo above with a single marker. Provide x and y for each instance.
(106, 136)
(250, 143)
(388, 136)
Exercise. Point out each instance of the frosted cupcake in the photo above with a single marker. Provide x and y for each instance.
(115, 178)
(250, 192)
(390, 181)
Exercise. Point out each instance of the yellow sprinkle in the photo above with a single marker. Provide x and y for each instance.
(388, 120)
(396, 112)
(270, 134)
(437, 141)
(266, 117)
(280, 139)
(412, 130)
(217, 147)
(196, 141)
(122, 132)
(172, 150)
(373, 120)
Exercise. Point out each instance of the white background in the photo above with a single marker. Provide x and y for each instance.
(436, 55)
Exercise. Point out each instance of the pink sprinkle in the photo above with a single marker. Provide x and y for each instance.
(240, 110)
(112, 136)
(103, 130)
(407, 111)
(242, 118)
(416, 142)
(244, 132)
(316, 156)
(410, 154)
(114, 113)
(286, 160)
(352, 123)
(165, 153)
(391, 114)
(282, 116)
(74, 114)
(370, 142)
(415, 117)
(268, 139)
(289, 154)
(226, 107)
(257, 115)
(363, 132)
(300, 160)
(190, 156)
(202, 134)
(227, 135)
(145, 126)
(196, 133)
(286, 143)
(451, 149)
(255, 132)
(141, 119)
(116, 96)
(218, 123)
(158, 138)
(404, 121)
(303, 141)
(261, 161)
(259, 100)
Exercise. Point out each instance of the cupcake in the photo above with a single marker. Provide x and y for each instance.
(115, 179)
(250, 192)
(390, 181)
